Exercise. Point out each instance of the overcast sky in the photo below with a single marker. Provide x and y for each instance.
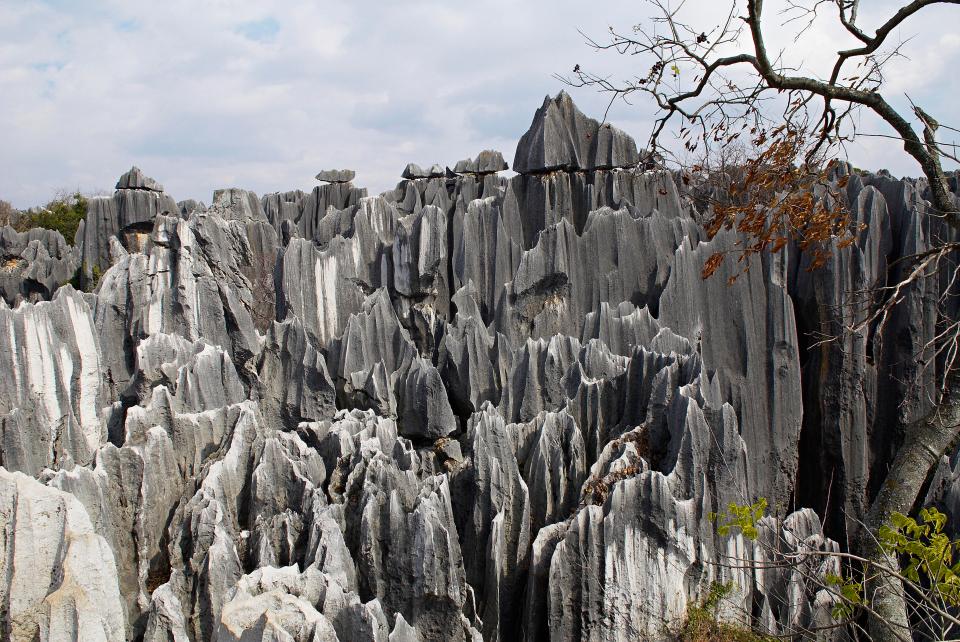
(263, 94)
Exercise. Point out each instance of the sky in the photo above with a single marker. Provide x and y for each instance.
(263, 94)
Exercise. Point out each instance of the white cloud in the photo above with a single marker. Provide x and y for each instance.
(264, 93)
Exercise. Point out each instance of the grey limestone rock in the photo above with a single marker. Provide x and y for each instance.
(742, 348)
(53, 395)
(293, 382)
(624, 326)
(336, 175)
(837, 402)
(470, 360)
(305, 210)
(132, 490)
(787, 603)
(59, 581)
(236, 204)
(487, 162)
(166, 622)
(413, 171)
(249, 507)
(320, 287)
(465, 166)
(555, 468)
(490, 161)
(189, 206)
(473, 407)
(377, 366)
(422, 402)
(136, 179)
(284, 604)
(562, 137)
(128, 495)
(34, 264)
(420, 255)
(188, 281)
(486, 251)
(409, 555)
(618, 257)
(545, 199)
(496, 527)
(127, 216)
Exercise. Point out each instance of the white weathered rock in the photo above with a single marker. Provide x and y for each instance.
(53, 392)
(59, 581)
(473, 407)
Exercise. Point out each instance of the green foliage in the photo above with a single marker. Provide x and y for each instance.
(61, 214)
(718, 591)
(850, 593)
(702, 624)
(929, 553)
(740, 518)
(930, 562)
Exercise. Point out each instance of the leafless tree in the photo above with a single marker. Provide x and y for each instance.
(721, 87)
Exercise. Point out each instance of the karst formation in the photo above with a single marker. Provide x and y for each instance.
(479, 406)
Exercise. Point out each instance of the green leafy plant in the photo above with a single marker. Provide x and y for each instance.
(851, 595)
(929, 567)
(740, 518)
(703, 624)
(928, 551)
(62, 214)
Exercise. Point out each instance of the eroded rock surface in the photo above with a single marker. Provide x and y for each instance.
(472, 407)
(59, 581)
(563, 138)
(34, 264)
(336, 176)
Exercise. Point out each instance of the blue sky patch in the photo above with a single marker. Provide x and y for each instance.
(48, 66)
(265, 30)
(128, 26)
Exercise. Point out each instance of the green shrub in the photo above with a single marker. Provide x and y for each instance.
(61, 214)
(702, 624)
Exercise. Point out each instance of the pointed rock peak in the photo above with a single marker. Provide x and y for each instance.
(336, 175)
(488, 162)
(561, 137)
(136, 179)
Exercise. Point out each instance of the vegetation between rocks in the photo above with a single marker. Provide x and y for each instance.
(62, 214)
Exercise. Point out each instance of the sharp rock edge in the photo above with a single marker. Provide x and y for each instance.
(474, 407)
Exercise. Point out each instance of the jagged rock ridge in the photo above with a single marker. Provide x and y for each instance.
(472, 407)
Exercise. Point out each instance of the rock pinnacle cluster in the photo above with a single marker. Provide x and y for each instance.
(474, 407)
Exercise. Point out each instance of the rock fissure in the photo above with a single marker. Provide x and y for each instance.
(470, 408)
